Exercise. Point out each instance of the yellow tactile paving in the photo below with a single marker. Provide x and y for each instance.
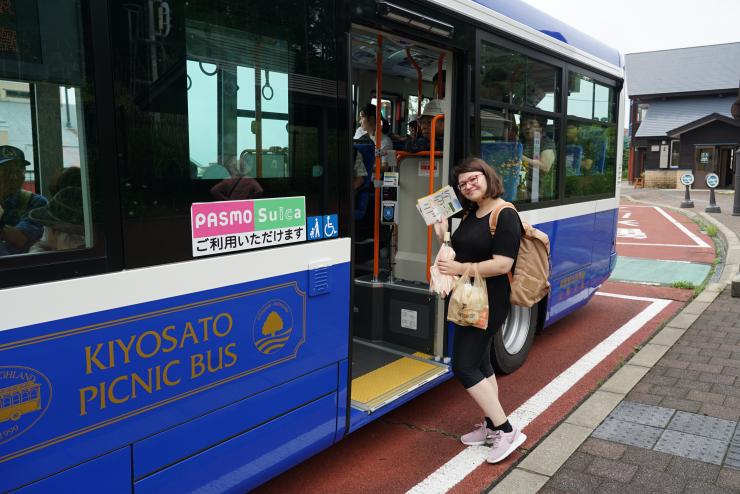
(384, 382)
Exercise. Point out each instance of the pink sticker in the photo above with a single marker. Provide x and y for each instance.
(222, 218)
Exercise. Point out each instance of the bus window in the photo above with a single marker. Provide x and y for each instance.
(224, 110)
(523, 149)
(591, 138)
(45, 193)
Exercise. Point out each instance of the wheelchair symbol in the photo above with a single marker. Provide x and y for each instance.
(330, 229)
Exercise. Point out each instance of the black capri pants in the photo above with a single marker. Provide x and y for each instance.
(471, 355)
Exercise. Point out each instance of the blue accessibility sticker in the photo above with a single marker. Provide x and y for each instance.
(315, 227)
(331, 226)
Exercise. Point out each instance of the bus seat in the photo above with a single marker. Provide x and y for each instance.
(365, 192)
(573, 156)
(600, 158)
(498, 153)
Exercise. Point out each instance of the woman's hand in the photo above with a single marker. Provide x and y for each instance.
(450, 267)
(440, 228)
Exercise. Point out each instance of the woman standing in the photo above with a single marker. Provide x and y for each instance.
(481, 191)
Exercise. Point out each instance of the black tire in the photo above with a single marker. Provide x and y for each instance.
(507, 360)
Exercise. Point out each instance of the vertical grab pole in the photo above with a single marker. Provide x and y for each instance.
(378, 145)
(418, 81)
(432, 149)
(440, 89)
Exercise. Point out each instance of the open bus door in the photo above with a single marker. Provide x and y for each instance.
(398, 344)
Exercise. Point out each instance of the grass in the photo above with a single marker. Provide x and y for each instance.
(711, 230)
(683, 284)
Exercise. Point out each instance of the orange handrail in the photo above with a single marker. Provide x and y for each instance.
(418, 81)
(432, 154)
(440, 89)
(378, 145)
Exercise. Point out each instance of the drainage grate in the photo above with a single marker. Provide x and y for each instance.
(701, 425)
(692, 446)
(620, 431)
(643, 414)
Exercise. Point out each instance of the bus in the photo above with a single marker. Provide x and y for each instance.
(211, 274)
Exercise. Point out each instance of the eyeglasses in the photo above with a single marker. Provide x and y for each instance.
(469, 182)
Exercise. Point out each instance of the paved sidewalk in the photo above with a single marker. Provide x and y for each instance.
(667, 421)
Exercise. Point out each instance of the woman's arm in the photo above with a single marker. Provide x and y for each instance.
(495, 266)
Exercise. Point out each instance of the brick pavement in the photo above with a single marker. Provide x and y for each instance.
(689, 373)
(700, 374)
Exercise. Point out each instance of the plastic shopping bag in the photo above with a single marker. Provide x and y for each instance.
(469, 302)
(439, 283)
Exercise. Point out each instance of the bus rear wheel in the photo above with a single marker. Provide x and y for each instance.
(15, 416)
(512, 342)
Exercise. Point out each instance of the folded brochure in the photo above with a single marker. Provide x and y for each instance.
(439, 205)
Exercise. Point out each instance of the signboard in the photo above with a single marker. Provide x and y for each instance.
(664, 156)
(320, 227)
(687, 178)
(230, 226)
(712, 180)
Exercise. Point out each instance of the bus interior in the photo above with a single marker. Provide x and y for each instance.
(398, 325)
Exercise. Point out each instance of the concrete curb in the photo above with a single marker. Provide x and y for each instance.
(535, 470)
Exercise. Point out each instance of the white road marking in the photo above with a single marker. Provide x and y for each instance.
(626, 215)
(698, 241)
(630, 233)
(663, 245)
(459, 467)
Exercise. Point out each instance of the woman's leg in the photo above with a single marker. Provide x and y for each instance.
(472, 366)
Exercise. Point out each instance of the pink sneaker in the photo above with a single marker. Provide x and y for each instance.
(481, 435)
(504, 443)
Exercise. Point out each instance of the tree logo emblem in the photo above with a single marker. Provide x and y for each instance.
(273, 327)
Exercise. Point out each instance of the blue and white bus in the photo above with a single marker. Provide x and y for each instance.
(199, 287)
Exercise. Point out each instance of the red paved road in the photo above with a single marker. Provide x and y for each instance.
(399, 450)
(646, 233)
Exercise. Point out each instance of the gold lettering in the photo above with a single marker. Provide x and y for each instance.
(166, 379)
(84, 400)
(147, 386)
(188, 333)
(126, 348)
(231, 354)
(111, 355)
(168, 337)
(103, 403)
(196, 361)
(211, 368)
(91, 359)
(159, 377)
(111, 391)
(225, 331)
(157, 346)
(204, 322)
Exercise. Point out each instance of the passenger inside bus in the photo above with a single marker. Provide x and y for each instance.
(538, 148)
(63, 222)
(17, 231)
(388, 156)
(423, 141)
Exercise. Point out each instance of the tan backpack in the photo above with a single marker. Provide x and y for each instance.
(529, 282)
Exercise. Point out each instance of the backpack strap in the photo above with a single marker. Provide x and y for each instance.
(493, 221)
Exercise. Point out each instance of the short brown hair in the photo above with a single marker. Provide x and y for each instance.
(495, 187)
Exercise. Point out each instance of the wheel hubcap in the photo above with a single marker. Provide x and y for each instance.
(516, 329)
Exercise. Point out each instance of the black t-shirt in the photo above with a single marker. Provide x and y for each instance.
(472, 242)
